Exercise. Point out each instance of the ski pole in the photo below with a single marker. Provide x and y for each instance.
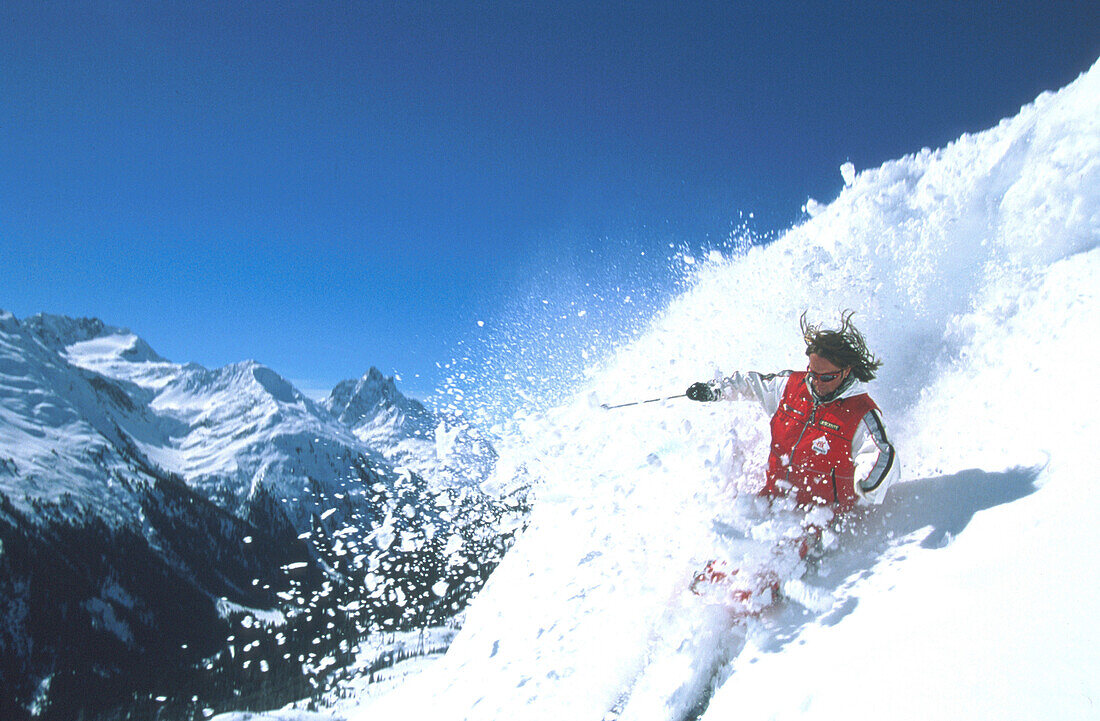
(638, 403)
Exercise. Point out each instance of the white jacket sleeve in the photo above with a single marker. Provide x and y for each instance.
(766, 389)
(875, 460)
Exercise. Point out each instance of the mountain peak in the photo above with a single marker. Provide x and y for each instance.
(386, 386)
(356, 401)
(274, 384)
(61, 333)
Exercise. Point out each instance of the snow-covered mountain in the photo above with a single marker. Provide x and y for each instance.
(373, 407)
(970, 593)
(408, 434)
(228, 432)
(138, 474)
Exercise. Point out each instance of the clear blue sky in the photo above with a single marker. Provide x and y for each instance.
(327, 186)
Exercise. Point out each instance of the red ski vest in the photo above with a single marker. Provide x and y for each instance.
(811, 450)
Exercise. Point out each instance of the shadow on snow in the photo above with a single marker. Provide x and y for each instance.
(935, 510)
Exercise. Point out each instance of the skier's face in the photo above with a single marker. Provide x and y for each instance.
(824, 376)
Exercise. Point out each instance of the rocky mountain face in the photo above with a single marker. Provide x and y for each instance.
(406, 433)
(175, 536)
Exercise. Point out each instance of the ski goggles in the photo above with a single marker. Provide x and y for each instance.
(824, 377)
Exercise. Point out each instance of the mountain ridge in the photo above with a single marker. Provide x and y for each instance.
(133, 471)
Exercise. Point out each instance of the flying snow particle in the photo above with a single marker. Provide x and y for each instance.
(385, 537)
(440, 589)
(409, 542)
(454, 545)
(848, 172)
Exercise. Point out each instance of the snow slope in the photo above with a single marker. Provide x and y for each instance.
(971, 593)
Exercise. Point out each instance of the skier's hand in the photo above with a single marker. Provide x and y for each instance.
(701, 392)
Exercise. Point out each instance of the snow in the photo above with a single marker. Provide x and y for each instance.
(970, 593)
(848, 172)
(416, 651)
(73, 392)
(262, 616)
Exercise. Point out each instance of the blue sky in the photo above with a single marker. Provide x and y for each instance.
(327, 186)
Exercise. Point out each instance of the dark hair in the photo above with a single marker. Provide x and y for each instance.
(844, 348)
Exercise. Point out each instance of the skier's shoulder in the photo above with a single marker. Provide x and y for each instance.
(779, 381)
(857, 395)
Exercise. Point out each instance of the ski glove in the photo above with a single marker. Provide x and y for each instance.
(702, 392)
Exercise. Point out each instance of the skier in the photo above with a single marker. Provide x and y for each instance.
(829, 450)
